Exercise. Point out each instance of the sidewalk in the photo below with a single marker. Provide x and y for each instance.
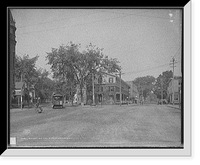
(174, 106)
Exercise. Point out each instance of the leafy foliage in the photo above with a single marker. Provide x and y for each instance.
(162, 83)
(145, 85)
(25, 68)
(72, 67)
(44, 86)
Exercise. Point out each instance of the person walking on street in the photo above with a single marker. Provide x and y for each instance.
(38, 107)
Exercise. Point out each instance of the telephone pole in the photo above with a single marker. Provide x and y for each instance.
(173, 66)
(161, 90)
(120, 76)
(93, 93)
(21, 92)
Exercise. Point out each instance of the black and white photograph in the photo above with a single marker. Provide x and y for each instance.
(96, 78)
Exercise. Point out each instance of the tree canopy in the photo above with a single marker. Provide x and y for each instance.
(162, 83)
(26, 71)
(73, 67)
(145, 85)
(25, 68)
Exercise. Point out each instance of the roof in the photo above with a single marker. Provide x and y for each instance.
(117, 77)
(110, 74)
(19, 85)
(177, 77)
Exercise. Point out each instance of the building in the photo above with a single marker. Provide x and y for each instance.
(133, 91)
(174, 87)
(77, 96)
(11, 54)
(107, 89)
(19, 94)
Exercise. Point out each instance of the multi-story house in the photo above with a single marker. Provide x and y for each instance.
(133, 91)
(107, 89)
(174, 90)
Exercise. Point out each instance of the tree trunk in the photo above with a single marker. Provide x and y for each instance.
(72, 100)
(81, 92)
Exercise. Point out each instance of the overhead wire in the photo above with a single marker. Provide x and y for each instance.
(154, 67)
(45, 22)
(138, 71)
(125, 15)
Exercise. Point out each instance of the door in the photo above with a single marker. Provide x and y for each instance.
(111, 99)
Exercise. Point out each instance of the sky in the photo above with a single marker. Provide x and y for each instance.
(143, 40)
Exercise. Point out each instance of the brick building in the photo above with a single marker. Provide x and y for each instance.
(11, 54)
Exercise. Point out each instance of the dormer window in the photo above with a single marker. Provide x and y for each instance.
(110, 80)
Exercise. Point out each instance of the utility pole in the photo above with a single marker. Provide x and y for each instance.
(120, 76)
(21, 92)
(161, 90)
(173, 66)
(173, 60)
(139, 93)
(93, 96)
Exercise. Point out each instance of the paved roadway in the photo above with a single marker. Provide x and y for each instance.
(106, 126)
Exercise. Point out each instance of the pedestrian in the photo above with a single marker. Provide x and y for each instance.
(38, 102)
(38, 108)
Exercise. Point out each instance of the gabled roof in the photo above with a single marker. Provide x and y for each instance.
(177, 77)
(115, 75)
(110, 74)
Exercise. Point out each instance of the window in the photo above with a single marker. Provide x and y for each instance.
(176, 96)
(179, 82)
(101, 89)
(111, 88)
(100, 80)
(111, 80)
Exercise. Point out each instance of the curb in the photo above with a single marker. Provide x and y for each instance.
(173, 107)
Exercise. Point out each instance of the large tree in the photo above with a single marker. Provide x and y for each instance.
(69, 64)
(44, 86)
(162, 83)
(63, 61)
(25, 70)
(145, 85)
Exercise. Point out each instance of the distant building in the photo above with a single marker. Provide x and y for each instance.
(133, 91)
(12, 44)
(19, 92)
(107, 89)
(176, 87)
